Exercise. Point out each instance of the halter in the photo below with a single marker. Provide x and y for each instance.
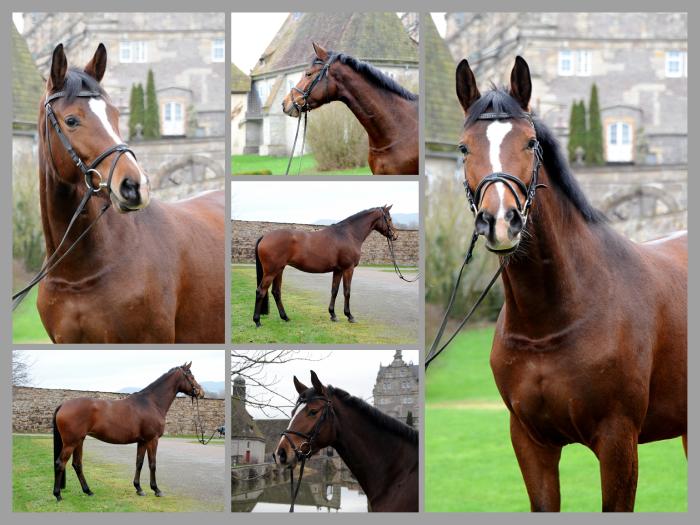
(89, 171)
(474, 199)
(390, 244)
(305, 108)
(306, 448)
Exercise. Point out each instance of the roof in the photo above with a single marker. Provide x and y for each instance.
(444, 115)
(354, 34)
(240, 82)
(242, 423)
(27, 83)
(272, 430)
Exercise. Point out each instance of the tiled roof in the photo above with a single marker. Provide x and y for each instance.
(240, 82)
(374, 37)
(27, 84)
(242, 424)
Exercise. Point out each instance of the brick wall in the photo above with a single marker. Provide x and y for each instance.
(32, 410)
(374, 250)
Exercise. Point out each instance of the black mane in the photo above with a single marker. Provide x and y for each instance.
(78, 80)
(156, 383)
(354, 216)
(498, 100)
(373, 74)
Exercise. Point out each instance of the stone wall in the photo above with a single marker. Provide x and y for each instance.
(374, 250)
(33, 408)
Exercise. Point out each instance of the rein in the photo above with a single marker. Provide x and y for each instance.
(305, 108)
(390, 244)
(89, 173)
(474, 201)
(198, 425)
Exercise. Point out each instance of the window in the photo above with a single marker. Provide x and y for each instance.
(217, 50)
(574, 63)
(676, 64)
(173, 119)
(132, 51)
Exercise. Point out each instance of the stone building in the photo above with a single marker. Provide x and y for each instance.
(27, 90)
(396, 390)
(240, 87)
(185, 51)
(247, 441)
(378, 38)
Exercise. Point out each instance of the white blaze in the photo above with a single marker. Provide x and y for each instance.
(495, 133)
(300, 410)
(99, 108)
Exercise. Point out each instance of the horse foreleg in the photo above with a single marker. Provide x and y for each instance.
(277, 294)
(539, 466)
(140, 453)
(616, 448)
(347, 279)
(334, 293)
(60, 469)
(78, 467)
(152, 448)
(261, 303)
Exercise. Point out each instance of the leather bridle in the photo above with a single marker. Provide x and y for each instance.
(195, 390)
(474, 199)
(89, 171)
(390, 243)
(304, 108)
(306, 449)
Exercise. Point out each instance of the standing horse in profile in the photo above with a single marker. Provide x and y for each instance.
(336, 248)
(387, 111)
(138, 418)
(153, 272)
(380, 451)
(590, 346)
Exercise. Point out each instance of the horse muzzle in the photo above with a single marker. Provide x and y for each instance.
(131, 195)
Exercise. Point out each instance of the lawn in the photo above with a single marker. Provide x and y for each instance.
(268, 165)
(470, 464)
(310, 322)
(26, 323)
(32, 484)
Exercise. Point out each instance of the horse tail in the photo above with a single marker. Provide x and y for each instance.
(265, 309)
(57, 447)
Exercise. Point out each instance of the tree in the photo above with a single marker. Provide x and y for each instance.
(136, 110)
(594, 142)
(21, 369)
(577, 129)
(151, 120)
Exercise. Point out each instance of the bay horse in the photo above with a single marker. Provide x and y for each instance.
(387, 111)
(380, 451)
(154, 271)
(590, 346)
(138, 418)
(336, 248)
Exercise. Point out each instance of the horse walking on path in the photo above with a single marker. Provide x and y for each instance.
(387, 111)
(137, 270)
(138, 418)
(590, 346)
(380, 451)
(336, 248)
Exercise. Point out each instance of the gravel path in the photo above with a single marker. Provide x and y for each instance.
(376, 294)
(184, 468)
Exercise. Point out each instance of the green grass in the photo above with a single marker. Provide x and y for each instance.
(268, 165)
(26, 323)
(310, 322)
(32, 484)
(470, 463)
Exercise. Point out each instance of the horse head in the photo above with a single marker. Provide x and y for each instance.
(188, 384)
(317, 85)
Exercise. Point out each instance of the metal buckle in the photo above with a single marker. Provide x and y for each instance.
(305, 449)
(88, 181)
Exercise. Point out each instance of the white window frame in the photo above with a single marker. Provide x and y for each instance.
(218, 45)
(579, 61)
(675, 56)
(566, 55)
(132, 51)
(583, 63)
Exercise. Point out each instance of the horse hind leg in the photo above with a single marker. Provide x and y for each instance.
(140, 453)
(60, 470)
(78, 467)
(152, 448)
(334, 293)
(262, 299)
(277, 294)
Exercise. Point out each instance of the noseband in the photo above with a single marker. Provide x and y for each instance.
(474, 199)
(305, 450)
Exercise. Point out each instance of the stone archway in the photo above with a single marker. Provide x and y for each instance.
(639, 202)
(188, 169)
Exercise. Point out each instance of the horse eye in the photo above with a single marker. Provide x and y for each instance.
(464, 149)
(532, 143)
(71, 122)
(307, 73)
(313, 412)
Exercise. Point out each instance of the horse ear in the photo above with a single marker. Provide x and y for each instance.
(320, 51)
(387, 208)
(320, 389)
(59, 67)
(301, 387)
(521, 83)
(467, 92)
(97, 66)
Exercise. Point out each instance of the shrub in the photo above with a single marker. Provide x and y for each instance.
(151, 119)
(136, 110)
(28, 236)
(594, 151)
(577, 129)
(336, 138)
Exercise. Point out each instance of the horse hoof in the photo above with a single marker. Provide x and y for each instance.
(159, 494)
(89, 492)
(258, 324)
(334, 319)
(351, 320)
(286, 319)
(58, 498)
(140, 493)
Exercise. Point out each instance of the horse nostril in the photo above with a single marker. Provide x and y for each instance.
(129, 189)
(484, 223)
(282, 455)
(515, 222)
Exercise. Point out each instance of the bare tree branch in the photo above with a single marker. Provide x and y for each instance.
(21, 368)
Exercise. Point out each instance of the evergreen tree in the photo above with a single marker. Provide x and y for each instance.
(577, 129)
(594, 139)
(136, 110)
(151, 120)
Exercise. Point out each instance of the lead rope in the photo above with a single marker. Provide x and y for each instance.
(295, 493)
(397, 270)
(199, 426)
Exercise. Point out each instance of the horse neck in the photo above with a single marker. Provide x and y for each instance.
(162, 392)
(362, 226)
(385, 115)
(361, 444)
(559, 268)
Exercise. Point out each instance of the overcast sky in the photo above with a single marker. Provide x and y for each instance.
(439, 19)
(112, 370)
(352, 370)
(250, 35)
(307, 201)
